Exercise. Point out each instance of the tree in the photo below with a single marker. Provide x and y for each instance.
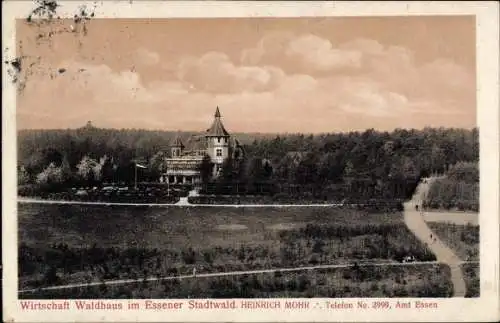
(157, 165)
(348, 170)
(307, 171)
(86, 169)
(107, 169)
(52, 155)
(464, 171)
(365, 159)
(437, 159)
(409, 169)
(205, 169)
(227, 172)
(34, 163)
(50, 277)
(67, 174)
(267, 169)
(240, 171)
(283, 171)
(50, 175)
(22, 176)
(97, 169)
(254, 174)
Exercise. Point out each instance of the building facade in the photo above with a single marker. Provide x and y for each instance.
(183, 165)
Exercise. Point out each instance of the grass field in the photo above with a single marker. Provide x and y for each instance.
(462, 218)
(409, 281)
(462, 239)
(471, 276)
(69, 244)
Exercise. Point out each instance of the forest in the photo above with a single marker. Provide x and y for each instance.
(355, 165)
(458, 189)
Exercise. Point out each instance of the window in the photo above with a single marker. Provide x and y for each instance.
(218, 152)
(218, 139)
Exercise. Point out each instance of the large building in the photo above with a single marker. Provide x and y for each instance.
(183, 165)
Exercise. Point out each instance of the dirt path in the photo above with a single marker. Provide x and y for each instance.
(416, 223)
(220, 274)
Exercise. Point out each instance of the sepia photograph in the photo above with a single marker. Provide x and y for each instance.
(238, 161)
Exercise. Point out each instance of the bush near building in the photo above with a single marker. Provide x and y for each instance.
(144, 193)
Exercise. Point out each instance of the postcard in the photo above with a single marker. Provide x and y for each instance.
(200, 161)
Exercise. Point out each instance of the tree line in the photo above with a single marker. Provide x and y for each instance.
(360, 165)
(357, 165)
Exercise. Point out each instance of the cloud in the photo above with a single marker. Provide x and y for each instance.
(317, 53)
(214, 72)
(106, 85)
(284, 83)
(393, 66)
(366, 97)
(147, 57)
(305, 53)
(268, 49)
(392, 78)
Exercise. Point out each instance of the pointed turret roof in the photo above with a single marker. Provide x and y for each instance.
(217, 129)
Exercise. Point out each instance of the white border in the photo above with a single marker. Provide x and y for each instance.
(485, 308)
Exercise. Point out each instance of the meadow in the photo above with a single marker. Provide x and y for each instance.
(462, 239)
(62, 244)
(472, 281)
(369, 281)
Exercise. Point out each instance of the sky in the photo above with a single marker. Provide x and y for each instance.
(266, 74)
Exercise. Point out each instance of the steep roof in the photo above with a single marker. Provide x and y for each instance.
(236, 143)
(217, 129)
(197, 143)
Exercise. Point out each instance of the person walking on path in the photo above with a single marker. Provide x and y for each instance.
(194, 272)
(418, 226)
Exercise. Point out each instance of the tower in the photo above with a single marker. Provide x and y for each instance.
(217, 139)
(177, 147)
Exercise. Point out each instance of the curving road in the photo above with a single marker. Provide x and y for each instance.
(232, 273)
(416, 223)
